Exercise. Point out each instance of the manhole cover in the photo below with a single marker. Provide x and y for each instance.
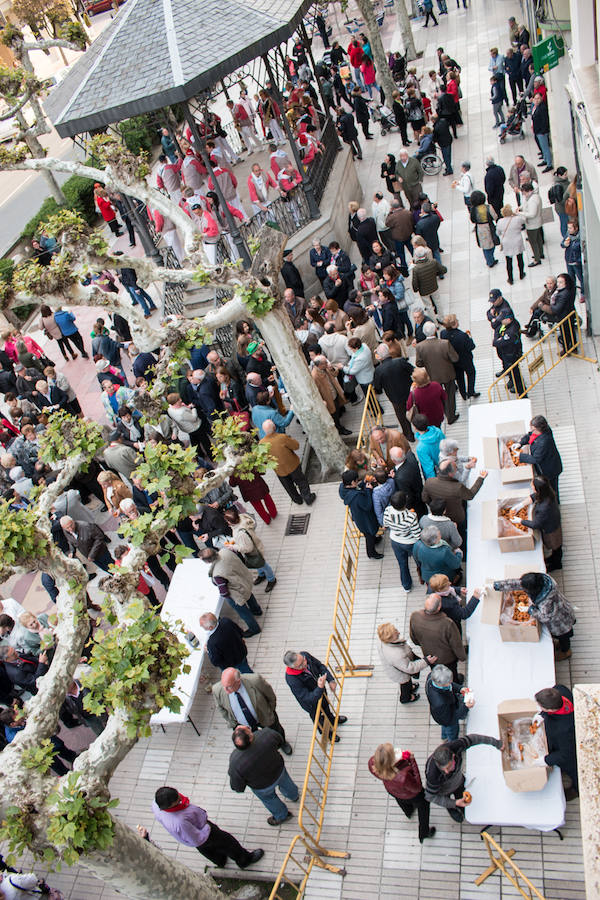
(297, 524)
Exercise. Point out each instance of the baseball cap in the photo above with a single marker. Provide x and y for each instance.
(494, 294)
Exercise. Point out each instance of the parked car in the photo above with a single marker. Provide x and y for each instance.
(97, 6)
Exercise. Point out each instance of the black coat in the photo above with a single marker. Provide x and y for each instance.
(291, 276)
(408, 479)
(540, 119)
(419, 336)
(462, 342)
(560, 733)
(142, 363)
(205, 396)
(379, 263)
(494, 185)
(441, 132)
(347, 127)
(226, 646)
(543, 454)
(57, 398)
(361, 109)
(304, 687)
(495, 314)
(24, 671)
(455, 611)
(427, 226)
(390, 317)
(445, 705)
(366, 233)
(446, 106)
(337, 292)
(399, 113)
(545, 516)
(344, 266)
(394, 376)
(512, 66)
(507, 341)
(562, 303)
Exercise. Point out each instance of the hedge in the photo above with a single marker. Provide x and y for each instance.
(79, 193)
(139, 134)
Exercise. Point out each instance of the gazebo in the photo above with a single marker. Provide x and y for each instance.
(159, 53)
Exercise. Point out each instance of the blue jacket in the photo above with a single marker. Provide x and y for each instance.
(573, 250)
(320, 261)
(381, 498)
(428, 449)
(261, 413)
(304, 686)
(439, 560)
(360, 502)
(66, 322)
(446, 705)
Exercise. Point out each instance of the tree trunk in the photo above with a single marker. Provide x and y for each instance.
(408, 41)
(140, 871)
(39, 153)
(304, 395)
(384, 77)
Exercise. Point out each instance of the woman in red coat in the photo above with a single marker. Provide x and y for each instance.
(106, 209)
(255, 490)
(428, 396)
(399, 772)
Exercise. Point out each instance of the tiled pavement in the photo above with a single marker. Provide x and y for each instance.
(387, 860)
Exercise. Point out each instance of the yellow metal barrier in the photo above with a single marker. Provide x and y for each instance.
(338, 660)
(503, 863)
(564, 339)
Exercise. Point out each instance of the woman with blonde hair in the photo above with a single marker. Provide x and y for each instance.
(400, 662)
(353, 220)
(428, 396)
(401, 778)
(509, 229)
(114, 491)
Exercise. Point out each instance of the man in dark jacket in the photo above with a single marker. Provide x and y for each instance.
(141, 362)
(22, 669)
(446, 486)
(541, 129)
(444, 780)
(361, 111)
(464, 345)
(500, 308)
(446, 109)
(512, 67)
(49, 397)
(89, 539)
(291, 275)
(306, 677)
(202, 390)
(73, 713)
(407, 478)
(129, 281)
(508, 345)
(341, 260)
(493, 183)
(346, 127)
(256, 763)
(366, 234)
(394, 377)
(359, 499)
(443, 138)
(335, 286)
(225, 644)
(446, 701)
(556, 705)
(427, 225)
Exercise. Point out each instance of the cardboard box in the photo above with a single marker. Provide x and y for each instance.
(524, 777)
(492, 524)
(493, 452)
(493, 603)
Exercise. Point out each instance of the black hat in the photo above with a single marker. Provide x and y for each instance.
(286, 253)
(494, 294)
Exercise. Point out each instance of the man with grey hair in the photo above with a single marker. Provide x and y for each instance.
(446, 701)
(493, 184)
(449, 450)
(334, 345)
(407, 478)
(225, 644)
(248, 700)
(409, 172)
(329, 388)
(444, 780)
(437, 635)
(433, 556)
(446, 486)
(335, 287)
(307, 678)
(89, 539)
(438, 356)
(366, 234)
(394, 378)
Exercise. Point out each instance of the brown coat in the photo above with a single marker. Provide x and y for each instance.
(329, 388)
(437, 635)
(453, 492)
(394, 438)
(281, 448)
(120, 491)
(401, 224)
(437, 356)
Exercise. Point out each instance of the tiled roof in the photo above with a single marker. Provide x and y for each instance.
(159, 52)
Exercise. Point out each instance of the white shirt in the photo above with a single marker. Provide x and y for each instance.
(236, 709)
(23, 885)
(12, 608)
(380, 212)
(465, 184)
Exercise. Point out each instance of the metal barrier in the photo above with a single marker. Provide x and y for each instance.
(564, 339)
(313, 800)
(503, 863)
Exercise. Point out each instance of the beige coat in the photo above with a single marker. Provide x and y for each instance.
(394, 438)
(238, 576)
(329, 388)
(262, 696)
(400, 662)
(244, 536)
(438, 357)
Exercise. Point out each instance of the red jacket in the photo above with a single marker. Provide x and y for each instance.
(430, 401)
(288, 181)
(406, 784)
(356, 55)
(269, 182)
(106, 209)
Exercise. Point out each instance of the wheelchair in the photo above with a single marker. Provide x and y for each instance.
(432, 163)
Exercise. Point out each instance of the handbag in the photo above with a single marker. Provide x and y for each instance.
(414, 410)
(254, 559)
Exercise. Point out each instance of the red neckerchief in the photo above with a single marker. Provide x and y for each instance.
(565, 710)
(533, 437)
(290, 671)
(182, 803)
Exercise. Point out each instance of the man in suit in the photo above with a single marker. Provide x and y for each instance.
(119, 457)
(446, 486)
(23, 669)
(346, 127)
(407, 478)
(248, 700)
(202, 390)
(394, 377)
(438, 357)
(381, 441)
(288, 468)
(89, 539)
(73, 713)
(225, 644)
(306, 677)
(49, 398)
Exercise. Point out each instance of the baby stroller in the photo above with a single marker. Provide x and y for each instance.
(514, 124)
(384, 115)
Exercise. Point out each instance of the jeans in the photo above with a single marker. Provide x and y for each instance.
(489, 256)
(50, 586)
(575, 270)
(564, 221)
(400, 245)
(437, 255)
(245, 612)
(402, 552)
(267, 571)
(544, 145)
(447, 157)
(139, 295)
(269, 798)
(450, 732)
(358, 79)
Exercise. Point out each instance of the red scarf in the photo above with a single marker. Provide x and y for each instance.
(290, 671)
(565, 710)
(533, 437)
(182, 803)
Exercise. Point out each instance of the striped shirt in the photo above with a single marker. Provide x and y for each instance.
(403, 524)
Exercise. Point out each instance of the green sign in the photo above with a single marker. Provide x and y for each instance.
(547, 53)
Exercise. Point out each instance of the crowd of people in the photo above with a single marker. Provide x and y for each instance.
(380, 325)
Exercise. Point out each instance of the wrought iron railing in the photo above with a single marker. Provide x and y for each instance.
(320, 170)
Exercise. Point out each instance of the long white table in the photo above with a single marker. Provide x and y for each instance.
(499, 670)
(191, 593)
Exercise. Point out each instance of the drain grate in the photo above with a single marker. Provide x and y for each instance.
(297, 524)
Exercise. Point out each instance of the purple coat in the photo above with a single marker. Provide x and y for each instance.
(189, 826)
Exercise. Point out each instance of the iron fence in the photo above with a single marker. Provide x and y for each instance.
(289, 213)
(320, 169)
